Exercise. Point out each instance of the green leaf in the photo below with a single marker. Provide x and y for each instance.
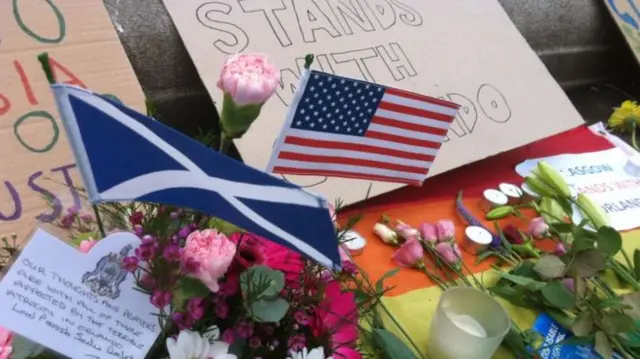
(562, 227)
(582, 240)
(557, 295)
(525, 269)
(189, 288)
(517, 296)
(261, 281)
(24, 348)
(633, 301)
(636, 263)
(616, 323)
(609, 240)
(269, 311)
(583, 325)
(529, 283)
(84, 236)
(588, 263)
(238, 347)
(380, 282)
(392, 347)
(550, 267)
(224, 226)
(603, 346)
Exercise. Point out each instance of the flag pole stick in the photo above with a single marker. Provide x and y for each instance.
(46, 67)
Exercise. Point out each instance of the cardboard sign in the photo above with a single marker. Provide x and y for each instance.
(84, 306)
(626, 13)
(35, 159)
(465, 51)
(603, 177)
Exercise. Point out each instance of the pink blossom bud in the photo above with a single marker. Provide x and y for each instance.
(448, 252)
(560, 249)
(407, 232)
(87, 244)
(445, 229)
(538, 227)
(409, 254)
(385, 233)
(428, 232)
(569, 283)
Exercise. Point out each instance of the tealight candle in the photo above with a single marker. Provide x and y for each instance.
(354, 242)
(476, 321)
(513, 192)
(632, 167)
(529, 194)
(477, 239)
(492, 198)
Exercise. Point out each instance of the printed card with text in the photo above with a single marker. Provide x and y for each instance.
(79, 305)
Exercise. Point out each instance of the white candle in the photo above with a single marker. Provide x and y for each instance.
(468, 324)
(354, 242)
(514, 193)
(527, 190)
(492, 198)
(478, 239)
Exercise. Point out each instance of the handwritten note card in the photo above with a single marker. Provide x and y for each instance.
(80, 305)
(85, 51)
(602, 176)
(465, 51)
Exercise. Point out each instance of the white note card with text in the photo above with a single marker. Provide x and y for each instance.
(83, 306)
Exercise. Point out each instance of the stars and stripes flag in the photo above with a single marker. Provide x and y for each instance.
(343, 127)
(123, 155)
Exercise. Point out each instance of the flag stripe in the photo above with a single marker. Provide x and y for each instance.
(401, 139)
(406, 110)
(312, 172)
(405, 133)
(354, 154)
(417, 120)
(423, 105)
(415, 96)
(362, 141)
(440, 132)
(349, 161)
(356, 147)
(350, 168)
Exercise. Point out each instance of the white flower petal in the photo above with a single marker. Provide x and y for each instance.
(212, 334)
(218, 348)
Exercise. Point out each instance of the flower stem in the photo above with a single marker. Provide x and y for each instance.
(96, 210)
(225, 142)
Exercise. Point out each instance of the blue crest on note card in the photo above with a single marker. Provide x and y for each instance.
(106, 278)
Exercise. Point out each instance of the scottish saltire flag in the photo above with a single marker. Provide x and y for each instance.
(342, 127)
(126, 156)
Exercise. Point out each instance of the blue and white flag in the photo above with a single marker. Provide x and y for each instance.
(123, 155)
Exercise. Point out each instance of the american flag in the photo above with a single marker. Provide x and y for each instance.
(343, 127)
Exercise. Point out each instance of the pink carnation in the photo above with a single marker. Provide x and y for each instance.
(6, 337)
(249, 79)
(213, 251)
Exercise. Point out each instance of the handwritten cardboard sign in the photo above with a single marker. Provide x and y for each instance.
(626, 13)
(85, 51)
(79, 305)
(465, 51)
(603, 177)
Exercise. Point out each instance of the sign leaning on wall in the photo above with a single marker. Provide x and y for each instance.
(465, 51)
(626, 13)
(35, 159)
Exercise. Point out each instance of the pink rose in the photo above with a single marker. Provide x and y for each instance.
(428, 232)
(448, 252)
(213, 251)
(6, 337)
(249, 79)
(445, 229)
(538, 227)
(87, 244)
(406, 232)
(560, 249)
(409, 254)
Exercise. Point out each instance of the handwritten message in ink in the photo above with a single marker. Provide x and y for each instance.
(83, 306)
(602, 176)
(84, 51)
(466, 51)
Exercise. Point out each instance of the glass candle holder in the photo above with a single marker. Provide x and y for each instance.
(468, 324)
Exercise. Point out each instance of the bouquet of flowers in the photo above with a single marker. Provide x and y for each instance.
(222, 292)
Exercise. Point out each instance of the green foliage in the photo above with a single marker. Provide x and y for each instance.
(261, 287)
(189, 288)
(392, 347)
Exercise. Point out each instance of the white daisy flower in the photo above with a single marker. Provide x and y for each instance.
(316, 353)
(191, 345)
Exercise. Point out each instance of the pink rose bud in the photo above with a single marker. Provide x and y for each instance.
(569, 283)
(6, 339)
(445, 230)
(87, 244)
(406, 231)
(409, 254)
(448, 252)
(538, 227)
(560, 249)
(385, 233)
(248, 81)
(213, 251)
(428, 232)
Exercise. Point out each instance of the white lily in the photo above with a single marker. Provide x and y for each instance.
(316, 353)
(191, 345)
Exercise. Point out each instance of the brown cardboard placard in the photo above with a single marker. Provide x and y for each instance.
(626, 13)
(35, 159)
(466, 51)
